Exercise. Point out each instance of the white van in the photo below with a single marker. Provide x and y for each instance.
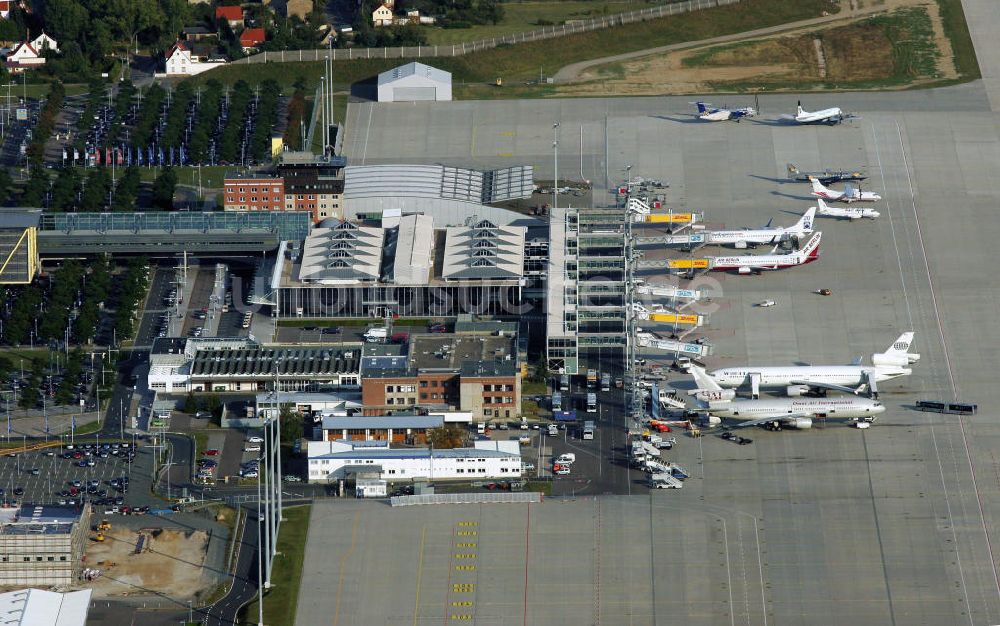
(376, 334)
(481, 428)
(553, 430)
(566, 458)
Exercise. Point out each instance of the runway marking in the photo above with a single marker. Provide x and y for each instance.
(505, 154)
(420, 573)
(729, 572)
(937, 451)
(472, 146)
(948, 364)
(527, 547)
(343, 565)
(371, 109)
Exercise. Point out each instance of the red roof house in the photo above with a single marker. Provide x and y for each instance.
(233, 15)
(252, 37)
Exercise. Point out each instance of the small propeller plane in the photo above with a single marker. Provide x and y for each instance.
(710, 113)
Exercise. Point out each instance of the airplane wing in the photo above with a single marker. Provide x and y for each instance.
(830, 386)
(780, 417)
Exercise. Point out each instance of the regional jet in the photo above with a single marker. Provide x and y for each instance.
(715, 114)
(850, 213)
(755, 264)
(767, 235)
(826, 116)
(826, 176)
(786, 412)
(849, 194)
(803, 379)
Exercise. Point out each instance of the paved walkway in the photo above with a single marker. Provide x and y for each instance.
(572, 72)
(983, 18)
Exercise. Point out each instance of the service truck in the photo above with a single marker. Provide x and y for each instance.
(376, 334)
(591, 379)
(605, 382)
(591, 402)
(588, 429)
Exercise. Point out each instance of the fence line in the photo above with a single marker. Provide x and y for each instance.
(454, 50)
(466, 498)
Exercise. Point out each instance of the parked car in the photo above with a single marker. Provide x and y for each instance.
(212, 452)
(292, 478)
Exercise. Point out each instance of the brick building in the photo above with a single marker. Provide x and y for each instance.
(245, 192)
(313, 185)
(474, 373)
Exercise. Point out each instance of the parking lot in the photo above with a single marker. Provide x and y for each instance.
(46, 477)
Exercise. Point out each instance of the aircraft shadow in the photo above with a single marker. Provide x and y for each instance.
(793, 196)
(679, 120)
(777, 122)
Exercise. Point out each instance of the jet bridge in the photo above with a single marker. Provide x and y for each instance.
(649, 340)
(643, 313)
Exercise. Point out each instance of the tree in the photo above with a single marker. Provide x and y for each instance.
(6, 185)
(448, 436)
(64, 189)
(95, 192)
(36, 188)
(126, 190)
(292, 426)
(163, 189)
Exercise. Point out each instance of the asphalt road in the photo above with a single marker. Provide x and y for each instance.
(244, 580)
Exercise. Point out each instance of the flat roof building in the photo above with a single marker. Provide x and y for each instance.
(414, 81)
(330, 461)
(37, 607)
(42, 545)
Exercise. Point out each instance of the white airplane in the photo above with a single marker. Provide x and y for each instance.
(768, 235)
(827, 116)
(849, 194)
(802, 379)
(715, 114)
(788, 412)
(755, 264)
(850, 213)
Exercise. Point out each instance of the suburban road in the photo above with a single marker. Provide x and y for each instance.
(224, 612)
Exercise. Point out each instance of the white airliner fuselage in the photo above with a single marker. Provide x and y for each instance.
(804, 407)
(851, 213)
(762, 236)
(750, 263)
(785, 376)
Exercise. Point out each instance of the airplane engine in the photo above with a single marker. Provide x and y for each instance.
(715, 395)
(894, 360)
(713, 420)
(796, 390)
(744, 270)
(800, 423)
(742, 245)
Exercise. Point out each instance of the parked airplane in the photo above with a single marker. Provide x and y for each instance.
(768, 235)
(826, 176)
(788, 412)
(850, 213)
(849, 194)
(755, 264)
(827, 116)
(715, 114)
(802, 379)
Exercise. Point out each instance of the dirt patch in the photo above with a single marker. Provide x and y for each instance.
(171, 563)
(859, 54)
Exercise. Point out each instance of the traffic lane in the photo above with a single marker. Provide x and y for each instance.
(244, 580)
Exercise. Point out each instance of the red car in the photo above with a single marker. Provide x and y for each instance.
(212, 452)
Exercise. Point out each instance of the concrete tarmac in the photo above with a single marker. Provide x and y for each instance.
(893, 525)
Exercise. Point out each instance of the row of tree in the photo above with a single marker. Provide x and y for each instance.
(46, 124)
(133, 289)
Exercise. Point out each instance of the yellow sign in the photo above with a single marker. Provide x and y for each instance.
(688, 264)
(669, 217)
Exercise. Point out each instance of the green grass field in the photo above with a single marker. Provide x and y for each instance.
(957, 31)
(520, 17)
(211, 176)
(523, 62)
(281, 601)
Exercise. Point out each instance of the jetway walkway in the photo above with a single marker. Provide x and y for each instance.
(648, 340)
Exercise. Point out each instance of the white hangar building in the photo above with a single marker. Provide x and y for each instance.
(414, 81)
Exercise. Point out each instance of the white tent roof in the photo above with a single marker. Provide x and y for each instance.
(411, 69)
(35, 607)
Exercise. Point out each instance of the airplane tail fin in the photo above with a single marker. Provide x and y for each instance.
(821, 206)
(768, 225)
(805, 224)
(898, 354)
(792, 170)
(811, 249)
(701, 106)
(818, 188)
(798, 108)
(702, 380)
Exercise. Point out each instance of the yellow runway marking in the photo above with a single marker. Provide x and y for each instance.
(343, 565)
(420, 572)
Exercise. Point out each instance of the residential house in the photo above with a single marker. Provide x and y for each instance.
(233, 15)
(44, 42)
(196, 33)
(181, 61)
(298, 8)
(382, 16)
(251, 38)
(4, 9)
(23, 57)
